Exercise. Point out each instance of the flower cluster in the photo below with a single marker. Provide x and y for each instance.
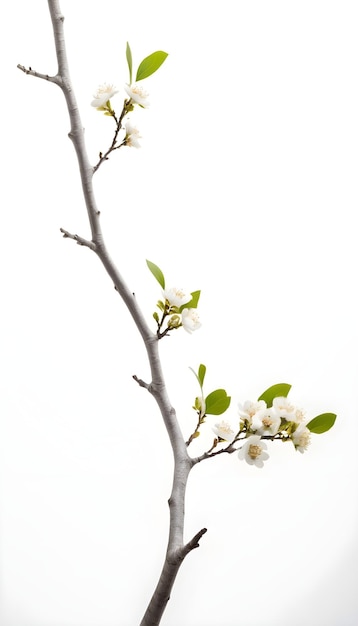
(259, 422)
(178, 308)
(272, 417)
(179, 315)
(136, 96)
(102, 102)
(282, 420)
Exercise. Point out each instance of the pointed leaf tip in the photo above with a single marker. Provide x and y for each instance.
(321, 423)
(201, 374)
(193, 303)
(150, 64)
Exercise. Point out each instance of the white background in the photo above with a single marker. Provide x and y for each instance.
(246, 188)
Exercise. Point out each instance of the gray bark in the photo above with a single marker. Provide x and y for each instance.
(176, 549)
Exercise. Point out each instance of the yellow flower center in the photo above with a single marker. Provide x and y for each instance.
(254, 451)
(304, 439)
(267, 421)
(104, 89)
(139, 91)
(286, 407)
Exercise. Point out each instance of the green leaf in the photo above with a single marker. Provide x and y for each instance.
(281, 389)
(157, 273)
(150, 64)
(201, 374)
(217, 402)
(129, 61)
(193, 303)
(321, 423)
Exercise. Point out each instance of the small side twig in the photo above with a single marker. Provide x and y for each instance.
(31, 72)
(201, 419)
(114, 146)
(79, 240)
(141, 382)
(209, 454)
(194, 542)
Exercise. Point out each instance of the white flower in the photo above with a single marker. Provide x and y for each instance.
(132, 136)
(299, 416)
(249, 410)
(224, 431)
(301, 438)
(284, 408)
(254, 451)
(177, 296)
(190, 320)
(266, 422)
(137, 95)
(103, 94)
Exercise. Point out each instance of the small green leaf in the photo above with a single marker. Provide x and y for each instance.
(157, 273)
(321, 423)
(281, 389)
(150, 64)
(193, 303)
(129, 61)
(201, 374)
(217, 402)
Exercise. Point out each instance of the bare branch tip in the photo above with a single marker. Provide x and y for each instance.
(140, 382)
(31, 72)
(194, 542)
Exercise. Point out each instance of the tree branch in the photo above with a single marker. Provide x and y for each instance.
(161, 596)
(176, 550)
